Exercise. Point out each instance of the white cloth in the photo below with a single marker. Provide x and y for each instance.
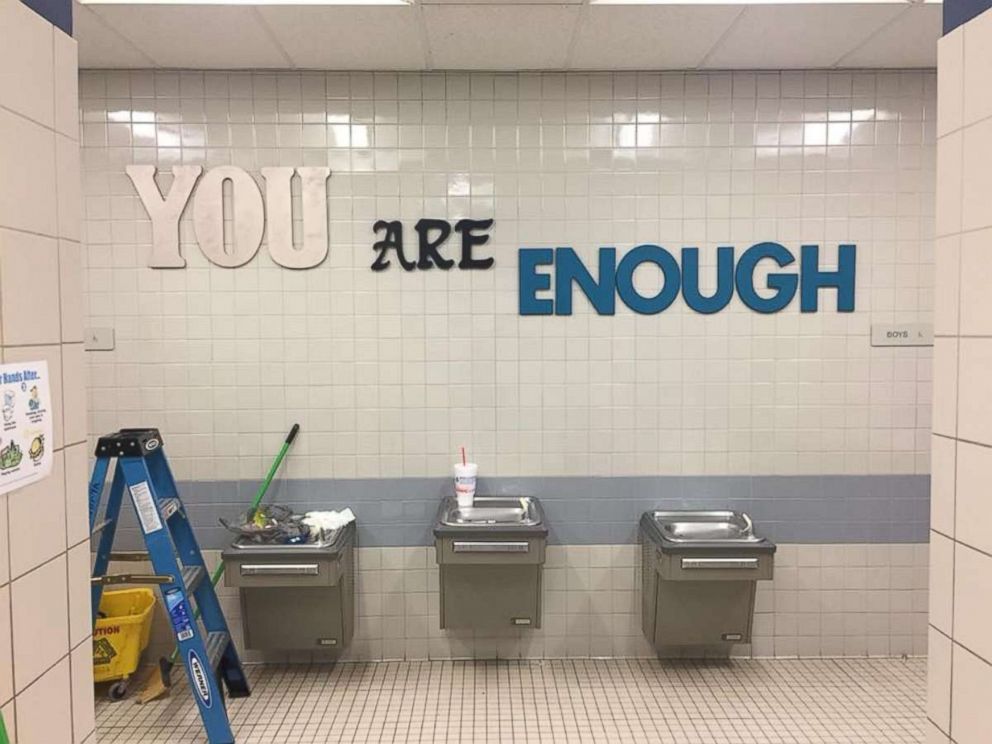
(327, 521)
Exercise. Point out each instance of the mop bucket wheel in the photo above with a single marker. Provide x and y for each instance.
(122, 632)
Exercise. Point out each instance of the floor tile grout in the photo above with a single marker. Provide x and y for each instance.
(880, 701)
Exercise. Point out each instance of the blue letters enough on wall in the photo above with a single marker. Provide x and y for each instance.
(618, 280)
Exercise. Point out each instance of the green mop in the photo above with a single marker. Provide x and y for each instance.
(160, 681)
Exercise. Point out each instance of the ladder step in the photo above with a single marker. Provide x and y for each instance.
(193, 576)
(216, 646)
(169, 507)
(129, 556)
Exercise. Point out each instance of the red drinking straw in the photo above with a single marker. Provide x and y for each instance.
(463, 457)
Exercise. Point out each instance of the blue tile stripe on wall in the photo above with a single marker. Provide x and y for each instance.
(56, 12)
(957, 12)
(590, 511)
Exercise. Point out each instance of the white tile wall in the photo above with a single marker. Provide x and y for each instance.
(6, 651)
(43, 712)
(29, 288)
(40, 307)
(37, 521)
(961, 553)
(825, 600)
(390, 373)
(27, 74)
(40, 620)
(973, 467)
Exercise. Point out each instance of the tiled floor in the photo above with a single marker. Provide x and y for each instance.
(635, 700)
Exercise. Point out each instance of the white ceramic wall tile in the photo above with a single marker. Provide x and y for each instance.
(595, 610)
(40, 622)
(939, 679)
(76, 496)
(947, 280)
(945, 386)
(71, 286)
(941, 582)
(42, 712)
(550, 172)
(4, 554)
(974, 463)
(74, 375)
(976, 176)
(27, 160)
(974, 391)
(972, 679)
(976, 278)
(966, 60)
(26, 76)
(36, 515)
(949, 175)
(977, 99)
(973, 600)
(83, 720)
(69, 187)
(66, 82)
(80, 614)
(29, 288)
(942, 485)
(6, 651)
(38, 281)
(950, 81)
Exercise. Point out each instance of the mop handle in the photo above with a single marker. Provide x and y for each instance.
(219, 571)
(275, 467)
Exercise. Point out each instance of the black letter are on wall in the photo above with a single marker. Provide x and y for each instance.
(465, 227)
(429, 256)
(392, 239)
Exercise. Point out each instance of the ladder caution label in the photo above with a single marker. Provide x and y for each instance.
(144, 504)
(175, 605)
(199, 676)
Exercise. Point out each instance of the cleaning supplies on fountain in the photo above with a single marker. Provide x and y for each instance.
(322, 523)
(272, 523)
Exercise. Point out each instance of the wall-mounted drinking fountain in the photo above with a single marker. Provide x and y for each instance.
(490, 557)
(699, 574)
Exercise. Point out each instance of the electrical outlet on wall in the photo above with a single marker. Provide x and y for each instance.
(98, 339)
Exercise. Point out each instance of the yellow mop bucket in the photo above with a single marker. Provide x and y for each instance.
(121, 633)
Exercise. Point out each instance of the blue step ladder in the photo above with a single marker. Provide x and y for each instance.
(207, 653)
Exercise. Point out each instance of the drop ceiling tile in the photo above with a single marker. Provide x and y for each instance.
(197, 36)
(910, 40)
(798, 36)
(100, 46)
(634, 37)
(495, 37)
(348, 37)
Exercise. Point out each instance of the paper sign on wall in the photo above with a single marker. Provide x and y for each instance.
(26, 429)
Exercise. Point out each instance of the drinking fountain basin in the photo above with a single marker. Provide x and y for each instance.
(705, 526)
(493, 513)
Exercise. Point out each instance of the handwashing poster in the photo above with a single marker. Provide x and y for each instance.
(26, 432)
